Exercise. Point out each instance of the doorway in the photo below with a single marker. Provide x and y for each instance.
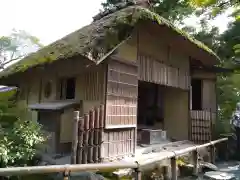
(150, 106)
(196, 96)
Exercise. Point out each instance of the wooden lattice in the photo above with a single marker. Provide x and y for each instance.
(201, 126)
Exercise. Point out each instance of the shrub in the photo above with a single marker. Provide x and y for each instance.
(19, 136)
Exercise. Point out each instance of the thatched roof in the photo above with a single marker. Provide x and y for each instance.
(96, 40)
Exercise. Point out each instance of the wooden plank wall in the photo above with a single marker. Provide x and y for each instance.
(155, 71)
(118, 143)
(201, 126)
(121, 110)
(93, 85)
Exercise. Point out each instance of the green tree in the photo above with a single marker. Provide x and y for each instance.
(173, 10)
(15, 46)
(218, 6)
(19, 136)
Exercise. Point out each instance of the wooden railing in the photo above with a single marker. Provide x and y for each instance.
(201, 125)
(136, 166)
(87, 136)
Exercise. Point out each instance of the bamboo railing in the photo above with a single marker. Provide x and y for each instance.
(138, 167)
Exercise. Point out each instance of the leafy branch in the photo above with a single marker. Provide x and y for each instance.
(16, 46)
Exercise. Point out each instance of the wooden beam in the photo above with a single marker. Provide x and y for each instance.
(137, 174)
(75, 137)
(195, 162)
(174, 168)
(212, 153)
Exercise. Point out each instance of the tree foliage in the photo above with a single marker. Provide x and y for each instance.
(15, 46)
(173, 10)
(218, 6)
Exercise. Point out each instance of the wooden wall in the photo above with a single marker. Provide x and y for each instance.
(209, 95)
(155, 71)
(176, 113)
(121, 100)
(209, 101)
(118, 143)
(90, 89)
(90, 83)
(201, 126)
(66, 126)
(121, 109)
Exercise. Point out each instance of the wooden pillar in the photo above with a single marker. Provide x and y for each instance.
(212, 153)
(174, 168)
(195, 162)
(66, 175)
(80, 140)
(75, 138)
(137, 175)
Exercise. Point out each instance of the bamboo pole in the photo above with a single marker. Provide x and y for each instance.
(180, 152)
(137, 174)
(212, 153)
(80, 140)
(66, 175)
(10, 171)
(195, 162)
(75, 138)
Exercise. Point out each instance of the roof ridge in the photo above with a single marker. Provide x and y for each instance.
(97, 39)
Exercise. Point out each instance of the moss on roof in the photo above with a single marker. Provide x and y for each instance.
(96, 40)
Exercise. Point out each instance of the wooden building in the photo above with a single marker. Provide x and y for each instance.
(130, 74)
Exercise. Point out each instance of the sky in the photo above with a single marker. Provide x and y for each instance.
(50, 20)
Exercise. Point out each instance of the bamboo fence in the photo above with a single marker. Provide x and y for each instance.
(87, 137)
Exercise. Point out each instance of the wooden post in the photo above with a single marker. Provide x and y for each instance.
(101, 132)
(96, 133)
(195, 162)
(80, 140)
(75, 138)
(212, 153)
(174, 168)
(91, 136)
(137, 175)
(66, 175)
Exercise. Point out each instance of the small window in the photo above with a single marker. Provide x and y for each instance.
(47, 89)
(67, 87)
(21, 93)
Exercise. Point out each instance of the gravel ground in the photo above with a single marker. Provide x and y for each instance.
(232, 167)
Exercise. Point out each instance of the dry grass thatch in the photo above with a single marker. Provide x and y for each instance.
(96, 40)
